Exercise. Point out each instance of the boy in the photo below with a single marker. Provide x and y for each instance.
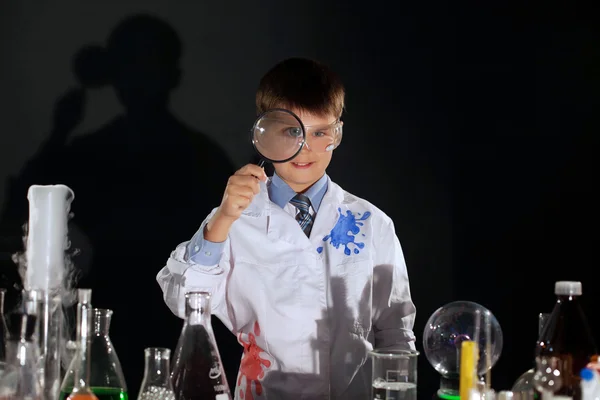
(308, 276)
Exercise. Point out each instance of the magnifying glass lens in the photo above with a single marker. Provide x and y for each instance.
(278, 135)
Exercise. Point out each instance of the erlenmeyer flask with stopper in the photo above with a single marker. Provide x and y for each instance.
(197, 371)
(81, 364)
(22, 357)
(106, 375)
(567, 338)
(156, 384)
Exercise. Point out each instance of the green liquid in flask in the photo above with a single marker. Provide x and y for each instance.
(101, 393)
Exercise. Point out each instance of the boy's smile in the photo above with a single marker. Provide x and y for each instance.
(301, 165)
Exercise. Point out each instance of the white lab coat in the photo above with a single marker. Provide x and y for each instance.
(311, 311)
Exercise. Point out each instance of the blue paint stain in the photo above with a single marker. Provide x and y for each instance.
(344, 231)
(320, 249)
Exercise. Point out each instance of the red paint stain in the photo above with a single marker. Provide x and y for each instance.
(251, 366)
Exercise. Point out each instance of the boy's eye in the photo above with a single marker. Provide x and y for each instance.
(320, 134)
(294, 132)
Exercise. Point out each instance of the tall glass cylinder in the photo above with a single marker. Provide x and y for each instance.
(49, 208)
(82, 363)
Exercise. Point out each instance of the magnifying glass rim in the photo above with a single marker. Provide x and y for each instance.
(299, 147)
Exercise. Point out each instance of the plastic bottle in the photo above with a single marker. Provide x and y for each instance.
(567, 339)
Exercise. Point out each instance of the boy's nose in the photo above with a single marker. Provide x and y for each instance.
(306, 147)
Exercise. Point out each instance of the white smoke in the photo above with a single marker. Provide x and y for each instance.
(67, 291)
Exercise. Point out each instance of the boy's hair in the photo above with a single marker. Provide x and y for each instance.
(302, 84)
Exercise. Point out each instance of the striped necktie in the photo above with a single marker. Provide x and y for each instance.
(302, 203)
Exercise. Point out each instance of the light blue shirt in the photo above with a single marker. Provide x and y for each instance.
(207, 253)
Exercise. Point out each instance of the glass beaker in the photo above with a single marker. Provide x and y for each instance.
(197, 371)
(394, 374)
(106, 375)
(156, 384)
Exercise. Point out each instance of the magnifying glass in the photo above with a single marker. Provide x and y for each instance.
(278, 136)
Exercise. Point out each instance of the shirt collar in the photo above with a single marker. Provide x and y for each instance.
(281, 193)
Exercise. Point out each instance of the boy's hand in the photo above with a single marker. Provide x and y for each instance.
(241, 189)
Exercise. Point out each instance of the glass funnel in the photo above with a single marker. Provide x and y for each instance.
(106, 375)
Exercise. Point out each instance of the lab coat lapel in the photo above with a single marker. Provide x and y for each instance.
(279, 225)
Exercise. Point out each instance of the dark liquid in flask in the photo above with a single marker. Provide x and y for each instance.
(197, 374)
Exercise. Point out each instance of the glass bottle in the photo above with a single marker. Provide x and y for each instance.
(198, 371)
(106, 375)
(22, 356)
(156, 384)
(567, 338)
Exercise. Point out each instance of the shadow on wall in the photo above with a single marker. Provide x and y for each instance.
(143, 183)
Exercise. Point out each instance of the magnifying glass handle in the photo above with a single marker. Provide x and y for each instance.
(261, 164)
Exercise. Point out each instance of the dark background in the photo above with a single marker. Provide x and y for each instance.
(470, 124)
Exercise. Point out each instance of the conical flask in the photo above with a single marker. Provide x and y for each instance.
(106, 375)
(198, 371)
(156, 384)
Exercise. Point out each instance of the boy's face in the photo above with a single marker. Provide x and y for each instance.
(308, 166)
